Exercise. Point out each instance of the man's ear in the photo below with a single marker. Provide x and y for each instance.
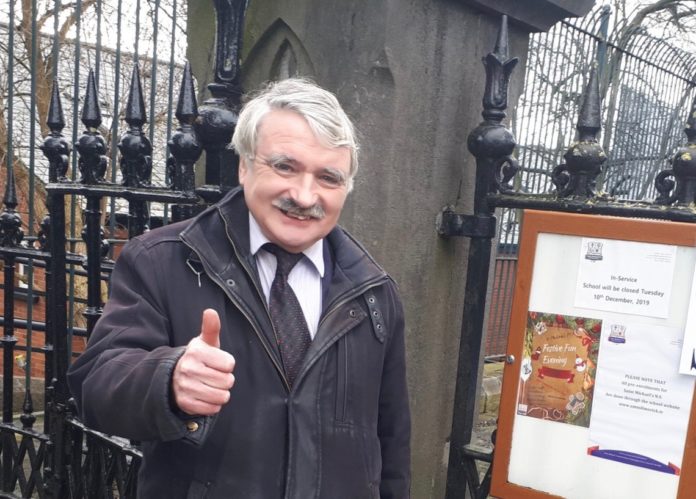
(243, 168)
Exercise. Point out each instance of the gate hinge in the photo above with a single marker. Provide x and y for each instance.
(451, 224)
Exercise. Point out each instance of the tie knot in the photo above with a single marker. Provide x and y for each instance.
(285, 260)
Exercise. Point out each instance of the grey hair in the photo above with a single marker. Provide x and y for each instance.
(319, 107)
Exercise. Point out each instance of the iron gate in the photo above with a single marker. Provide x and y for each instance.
(646, 82)
(59, 456)
(576, 190)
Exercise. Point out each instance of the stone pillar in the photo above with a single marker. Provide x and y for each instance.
(409, 73)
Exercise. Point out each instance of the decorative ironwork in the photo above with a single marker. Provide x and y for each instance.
(576, 180)
(56, 147)
(43, 237)
(91, 145)
(136, 155)
(11, 233)
(492, 144)
(491, 140)
(678, 184)
(102, 466)
(184, 145)
(584, 159)
(218, 115)
(135, 147)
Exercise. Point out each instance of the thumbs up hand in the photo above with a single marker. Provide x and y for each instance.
(203, 376)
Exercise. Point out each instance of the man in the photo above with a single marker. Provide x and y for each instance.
(292, 384)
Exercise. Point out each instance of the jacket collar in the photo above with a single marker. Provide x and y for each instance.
(353, 266)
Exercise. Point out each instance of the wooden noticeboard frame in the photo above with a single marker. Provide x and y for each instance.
(534, 224)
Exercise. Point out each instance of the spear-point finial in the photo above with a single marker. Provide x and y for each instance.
(10, 198)
(10, 222)
(135, 147)
(502, 43)
(498, 71)
(585, 157)
(136, 115)
(91, 113)
(91, 145)
(56, 119)
(590, 117)
(187, 107)
(55, 147)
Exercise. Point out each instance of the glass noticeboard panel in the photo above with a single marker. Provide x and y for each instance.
(594, 404)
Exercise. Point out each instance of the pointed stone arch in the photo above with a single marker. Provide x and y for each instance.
(278, 53)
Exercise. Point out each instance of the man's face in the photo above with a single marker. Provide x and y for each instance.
(296, 186)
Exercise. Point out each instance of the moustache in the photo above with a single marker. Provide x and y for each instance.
(290, 207)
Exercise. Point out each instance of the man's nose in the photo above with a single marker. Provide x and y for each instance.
(304, 192)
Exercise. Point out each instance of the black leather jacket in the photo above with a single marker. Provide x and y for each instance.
(343, 430)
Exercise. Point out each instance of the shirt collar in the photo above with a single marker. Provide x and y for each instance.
(315, 253)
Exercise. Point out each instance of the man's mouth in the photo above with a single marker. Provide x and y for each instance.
(290, 209)
(296, 216)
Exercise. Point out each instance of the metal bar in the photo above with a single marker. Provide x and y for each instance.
(93, 240)
(115, 120)
(8, 340)
(98, 51)
(136, 56)
(490, 143)
(73, 176)
(30, 224)
(40, 327)
(170, 99)
(128, 193)
(58, 337)
(8, 343)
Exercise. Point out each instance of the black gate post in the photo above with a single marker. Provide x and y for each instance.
(492, 145)
(218, 116)
(10, 236)
(57, 149)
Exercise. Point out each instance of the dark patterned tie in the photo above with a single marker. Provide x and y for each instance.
(286, 313)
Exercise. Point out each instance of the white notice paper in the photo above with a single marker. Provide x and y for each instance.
(687, 364)
(625, 277)
(641, 404)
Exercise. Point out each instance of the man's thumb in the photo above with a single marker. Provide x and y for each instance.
(210, 328)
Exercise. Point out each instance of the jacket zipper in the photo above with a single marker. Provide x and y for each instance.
(215, 279)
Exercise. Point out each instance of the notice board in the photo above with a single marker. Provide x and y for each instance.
(594, 403)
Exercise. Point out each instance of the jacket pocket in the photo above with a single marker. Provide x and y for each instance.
(341, 379)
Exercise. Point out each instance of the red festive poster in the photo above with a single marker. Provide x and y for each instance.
(558, 368)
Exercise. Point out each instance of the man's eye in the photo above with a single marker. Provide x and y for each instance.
(333, 180)
(330, 179)
(282, 167)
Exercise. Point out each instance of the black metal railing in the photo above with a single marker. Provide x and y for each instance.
(645, 81)
(107, 169)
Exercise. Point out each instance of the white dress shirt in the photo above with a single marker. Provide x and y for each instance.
(304, 278)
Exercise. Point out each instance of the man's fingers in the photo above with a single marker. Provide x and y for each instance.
(210, 328)
(202, 377)
(202, 396)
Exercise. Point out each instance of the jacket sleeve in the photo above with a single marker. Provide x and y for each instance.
(121, 383)
(394, 424)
